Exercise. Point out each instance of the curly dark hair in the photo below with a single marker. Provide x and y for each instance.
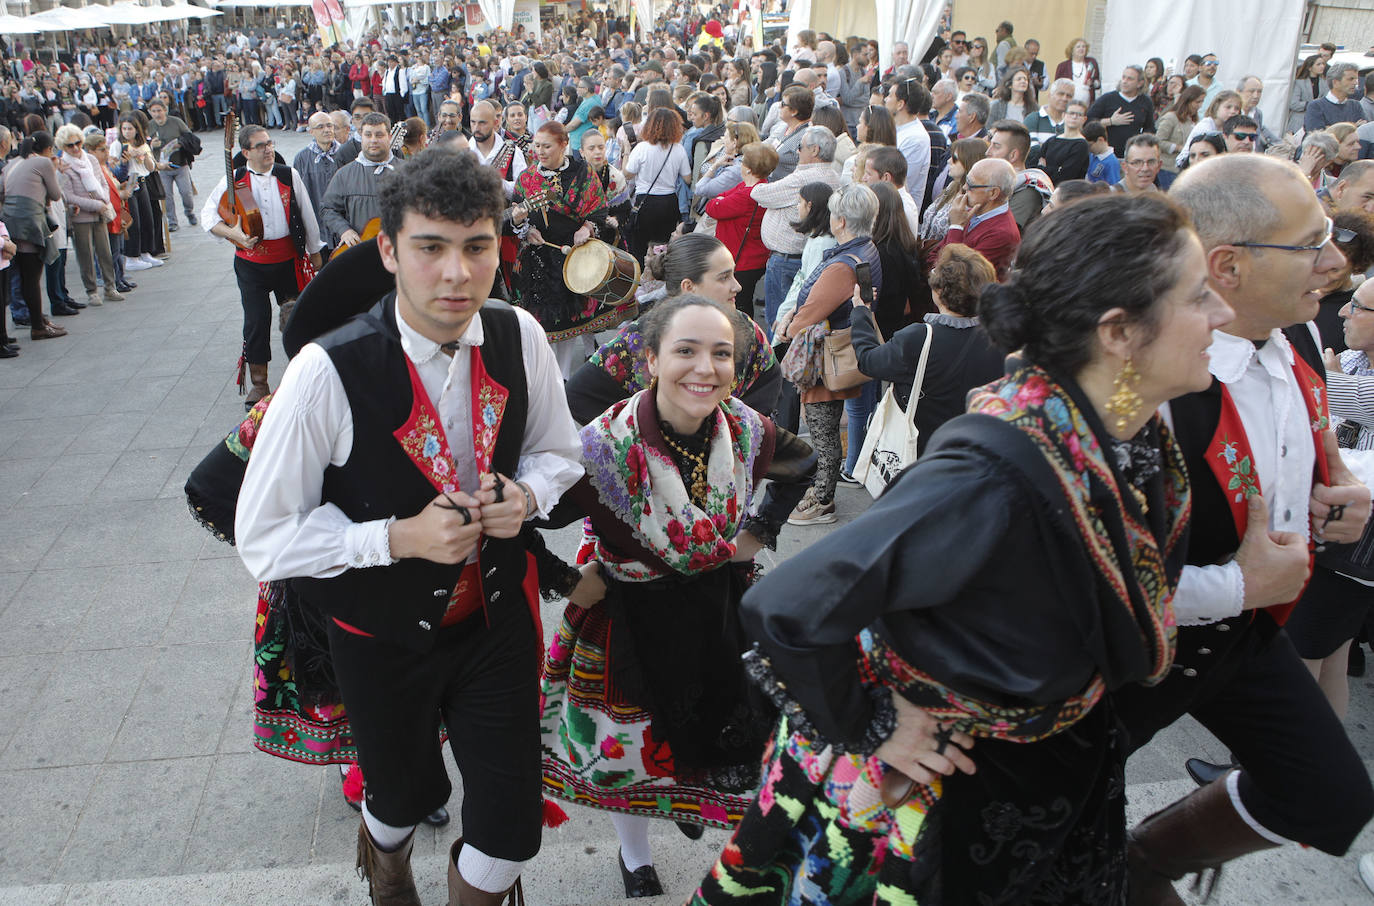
(1074, 265)
(443, 184)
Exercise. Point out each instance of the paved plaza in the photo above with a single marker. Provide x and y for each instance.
(127, 771)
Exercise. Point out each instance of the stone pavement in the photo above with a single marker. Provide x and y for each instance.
(127, 772)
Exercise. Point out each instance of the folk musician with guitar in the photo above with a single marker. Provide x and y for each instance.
(350, 204)
(265, 211)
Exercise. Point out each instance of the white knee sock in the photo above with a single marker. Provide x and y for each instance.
(387, 837)
(633, 831)
(485, 872)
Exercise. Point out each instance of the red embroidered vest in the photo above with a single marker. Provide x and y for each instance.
(1230, 457)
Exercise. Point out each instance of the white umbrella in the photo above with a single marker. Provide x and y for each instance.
(65, 18)
(126, 14)
(16, 25)
(187, 11)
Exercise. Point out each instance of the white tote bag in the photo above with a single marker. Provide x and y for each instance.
(890, 443)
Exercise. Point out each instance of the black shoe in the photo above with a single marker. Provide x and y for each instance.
(21, 322)
(8, 352)
(437, 818)
(10, 345)
(1354, 665)
(1204, 772)
(72, 303)
(172, 228)
(690, 831)
(64, 311)
(126, 287)
(191, 219)
(642, 882)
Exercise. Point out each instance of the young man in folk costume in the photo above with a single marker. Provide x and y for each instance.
(1268, 480)
(279, 264)
(505, 156)
(396, 467)
(559, 204)
(351, 200)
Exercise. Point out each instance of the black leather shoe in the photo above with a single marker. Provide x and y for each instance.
(65, 311)
(642, 882)
(8, 352)
(690, 831)
(72, 303)
(437, 818)
(126, 286)
(11, 345)
(1205, 772)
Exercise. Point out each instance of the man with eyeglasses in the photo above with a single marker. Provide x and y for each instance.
(1241, 134)
(317, 163)
(279, 264)
(1267, 480)
(958, 45)
(794, 112)
(1140, 168)
(981, 217)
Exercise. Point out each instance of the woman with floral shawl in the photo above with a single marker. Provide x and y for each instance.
(946, 664)
(647, 711)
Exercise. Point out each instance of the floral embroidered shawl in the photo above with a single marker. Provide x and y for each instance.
(1032, 401)
(628, 465)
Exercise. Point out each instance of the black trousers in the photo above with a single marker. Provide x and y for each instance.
(748, 282)
(395, 107)
(1301, 777)
(256, 283)
(658, 217)
(482, 681)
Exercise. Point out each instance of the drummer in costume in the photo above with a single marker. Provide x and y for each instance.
(282, 262)
(558, 203)
(1268, 479)
(495, 150)
(395, 469)
(646, 707)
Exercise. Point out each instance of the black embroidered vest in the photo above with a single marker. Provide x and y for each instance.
(404, 603)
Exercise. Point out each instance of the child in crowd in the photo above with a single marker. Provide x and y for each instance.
(1103, 165)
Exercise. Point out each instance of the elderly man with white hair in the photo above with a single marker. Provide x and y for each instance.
(781, 200)
(981, 217)
(1049, 119)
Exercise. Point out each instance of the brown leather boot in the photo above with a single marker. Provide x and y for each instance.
(257, 374)
(389, 881)
(461, 893)
(1195, 835)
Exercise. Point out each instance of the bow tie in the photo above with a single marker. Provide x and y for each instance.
(451, 347)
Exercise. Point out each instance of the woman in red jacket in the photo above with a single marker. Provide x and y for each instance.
(739, 222)
(359, 77)
(1082, 70)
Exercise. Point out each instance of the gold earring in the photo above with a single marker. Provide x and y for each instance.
(1124, 402)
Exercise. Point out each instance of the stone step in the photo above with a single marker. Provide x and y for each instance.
(581, 871)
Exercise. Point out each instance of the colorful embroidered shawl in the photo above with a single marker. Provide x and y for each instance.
(634, 476)
(1030, 400)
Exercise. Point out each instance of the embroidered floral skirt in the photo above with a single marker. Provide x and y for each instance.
(1040, 822)
(283, 724)
(697, 760)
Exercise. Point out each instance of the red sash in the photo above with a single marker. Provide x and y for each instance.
(275, 251)
(1232, 462)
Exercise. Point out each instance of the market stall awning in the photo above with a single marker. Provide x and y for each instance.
(16, 25)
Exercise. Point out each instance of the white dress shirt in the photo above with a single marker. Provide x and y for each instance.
(914, 142)
(1272, 409)
(274, 220)
(284, 531)
(517, 161)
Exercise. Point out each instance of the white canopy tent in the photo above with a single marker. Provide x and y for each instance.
(1249, 37)
(16, 25)
(889, 21)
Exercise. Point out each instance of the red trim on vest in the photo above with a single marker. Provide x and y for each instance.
(1232, 463)
(269, 251)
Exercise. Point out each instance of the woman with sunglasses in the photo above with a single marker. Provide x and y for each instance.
(985, 73)
(88, 212)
